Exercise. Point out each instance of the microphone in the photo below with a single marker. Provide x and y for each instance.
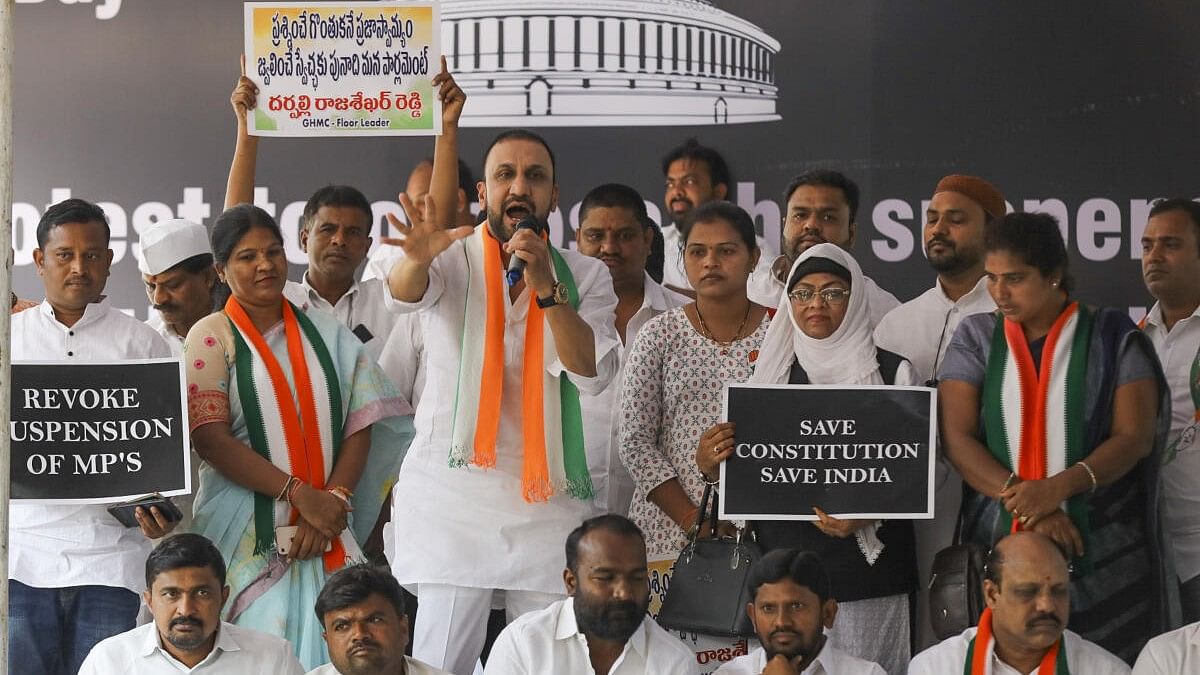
(516, 266)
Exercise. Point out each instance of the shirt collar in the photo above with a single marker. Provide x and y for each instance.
(1155, 318)
(655, 296)
(92, 313)
(153, 642)
(568, 629)
(980, 288)
(314, 295)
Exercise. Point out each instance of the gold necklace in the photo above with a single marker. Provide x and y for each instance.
(708, 334)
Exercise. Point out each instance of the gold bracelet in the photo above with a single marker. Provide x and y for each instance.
(1091, 474)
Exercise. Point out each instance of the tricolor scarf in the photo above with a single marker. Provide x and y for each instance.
(552, 422)
(1033, 418)
(300, 432)
(979, 659)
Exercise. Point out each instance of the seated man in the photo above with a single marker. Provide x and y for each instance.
(1177, 651)
(361, 608)
(790, 608)
(186, 591)
(602, 627)
(1023, 629)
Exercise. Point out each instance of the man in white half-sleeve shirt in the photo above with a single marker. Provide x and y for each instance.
(177, 267)
(821, 208)
(74, 571)
(603, 627)
(1023, 629)
(1171, 271)
(791, 607)
(1171, 653)
(920, 330)
(614, 228)
(497, 474)
(185, 591)
(695, 174)
(361, 609)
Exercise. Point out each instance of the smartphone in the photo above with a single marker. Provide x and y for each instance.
(124, 512)
(284, 534)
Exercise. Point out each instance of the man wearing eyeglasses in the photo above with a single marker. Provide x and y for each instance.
(921, 328)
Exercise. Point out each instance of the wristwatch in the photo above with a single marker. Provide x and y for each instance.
(560, 296)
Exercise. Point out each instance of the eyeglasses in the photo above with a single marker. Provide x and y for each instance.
(831, 296)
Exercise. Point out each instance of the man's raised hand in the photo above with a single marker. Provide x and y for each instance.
(422, 240)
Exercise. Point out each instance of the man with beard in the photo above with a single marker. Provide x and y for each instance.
(497, 475)
(791, 608)
(695, 175)
(177, 267)
(185, 591)
(602, 627)
(920, 329)
(614, 228)
(821, 209)
(1022, 631)
(1171, 271)
(361, 608)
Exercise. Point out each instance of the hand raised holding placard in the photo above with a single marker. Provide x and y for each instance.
(716, 446)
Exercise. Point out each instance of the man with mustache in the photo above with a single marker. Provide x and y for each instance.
(497, 475)
(821, 207)
(186, 591)
(791, 607)
(1171, 271)
(1023, 629)
(74, 570)
(362, 611)
(920, 330)
(614, 228)
(602, 627)
(177, 267)
(694, 175)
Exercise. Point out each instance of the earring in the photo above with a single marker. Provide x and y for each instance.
(1054, 284)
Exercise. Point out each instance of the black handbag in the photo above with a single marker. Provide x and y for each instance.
(708, 592)
(956, 589)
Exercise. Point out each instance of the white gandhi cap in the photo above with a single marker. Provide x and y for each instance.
(166, 244)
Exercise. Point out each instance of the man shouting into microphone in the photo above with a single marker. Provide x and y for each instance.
(497, 476)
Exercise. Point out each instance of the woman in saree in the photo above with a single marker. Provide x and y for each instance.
(822, 334)
(1052, 412)
(282, 407)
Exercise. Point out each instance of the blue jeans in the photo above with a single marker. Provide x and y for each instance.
(51, 630)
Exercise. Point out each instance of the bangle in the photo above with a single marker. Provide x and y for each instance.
(286, 486)
(291, 493)
(1091, 474)
(710, 483)
(1008, 483)
(340, 492)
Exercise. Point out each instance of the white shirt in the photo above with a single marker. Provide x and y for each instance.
(411, 667)
(601, 413)
(1181, 477)
(1171, 653)
(469, 526)
(829, 662)
(367, 303)
(58, 546)
(548, 641)
(173, 339)
(238, 651)
(920, 330)
(761, 287)
(950, 655)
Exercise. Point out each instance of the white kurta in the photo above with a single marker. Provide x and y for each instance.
(53, 546)
(237, 651)
(548, 641)
(173, 339)
(920, 330)
(1181, 477)
(829, 662)
(1171, 653)
(950, 655)
(761, 287)
(614, 485)
(470, 526)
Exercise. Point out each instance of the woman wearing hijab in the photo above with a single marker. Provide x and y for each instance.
(825, 338)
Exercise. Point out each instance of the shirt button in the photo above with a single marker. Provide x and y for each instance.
(71, 333)
(70, 353)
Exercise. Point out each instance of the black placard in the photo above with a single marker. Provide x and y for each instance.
(853, 451)
(98, 432)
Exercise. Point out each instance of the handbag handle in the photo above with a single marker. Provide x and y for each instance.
(700, 512)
